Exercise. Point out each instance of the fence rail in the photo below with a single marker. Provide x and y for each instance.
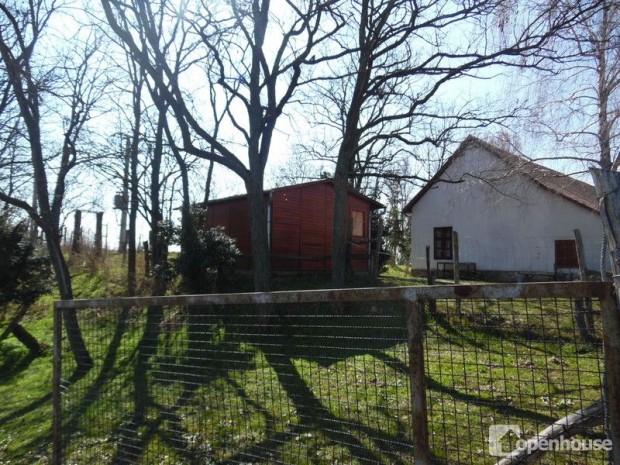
(376, 375)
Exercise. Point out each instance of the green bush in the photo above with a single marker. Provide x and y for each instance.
(206, 254)
(25, 273)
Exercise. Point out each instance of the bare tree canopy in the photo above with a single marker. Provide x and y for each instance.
(37, 88)
(227, 42)
(575, 99)
(399, 57)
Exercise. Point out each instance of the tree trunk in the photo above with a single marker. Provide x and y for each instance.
(376, 253)
(158, 247)
(340, 228)
(83, 360)
(122, 237)
(133, 205)
(261, 258)
(208, 183)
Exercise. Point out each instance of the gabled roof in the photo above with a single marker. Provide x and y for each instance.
(373, 203)
(571, 189)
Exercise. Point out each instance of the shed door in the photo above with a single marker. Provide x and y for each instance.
(566, 254)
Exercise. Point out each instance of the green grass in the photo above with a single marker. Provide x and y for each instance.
(486, 363)
(510, 363)
(25, 390)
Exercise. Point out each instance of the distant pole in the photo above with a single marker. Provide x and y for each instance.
(584, 316)
(147, 259)
(99, 234)
(376, 253)
(77, 232)
(581, 256)
(457, 265)
(455, 253)
(430, 279)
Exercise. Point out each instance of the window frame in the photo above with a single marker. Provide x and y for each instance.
(359, 225)
(442, 235)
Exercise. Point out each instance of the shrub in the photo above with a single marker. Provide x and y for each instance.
(206, 254)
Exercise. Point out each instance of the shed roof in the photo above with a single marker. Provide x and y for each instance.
(574, 190)
(373, 203)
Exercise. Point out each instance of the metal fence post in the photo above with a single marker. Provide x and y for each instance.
(419, 418)
(56, 393)
(610, 316)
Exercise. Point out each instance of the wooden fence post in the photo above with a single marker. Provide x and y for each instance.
(607, 184)
(457, 266)
(417, 379)
(430, 279)
(584, 317)
(376, 253)
(455, 257)
(610, 317)
(147, 259)
(99, 234)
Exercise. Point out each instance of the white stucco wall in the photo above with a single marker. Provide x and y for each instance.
(505, 223)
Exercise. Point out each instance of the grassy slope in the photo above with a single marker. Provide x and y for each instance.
(25, 382)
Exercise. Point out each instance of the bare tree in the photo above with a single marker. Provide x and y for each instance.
(402, 55)
(74, 87)
(301, 166)
(259, 78)
(577, 96)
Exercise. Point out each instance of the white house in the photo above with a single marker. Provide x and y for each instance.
(511, 215)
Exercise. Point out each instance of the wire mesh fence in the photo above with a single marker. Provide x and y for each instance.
(304, 377)
(517, 365)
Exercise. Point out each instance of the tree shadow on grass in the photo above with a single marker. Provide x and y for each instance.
(217, 348)
(98, 385)
(314, 334)
(514, 321)
(315, 418)
(219, 345)
(16, 361)
(156, 370)
(498, 406)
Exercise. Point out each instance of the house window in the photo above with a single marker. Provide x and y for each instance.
(357, 223)
(442, 243)
(566, 254)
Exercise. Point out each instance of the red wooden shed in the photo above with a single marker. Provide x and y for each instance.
(300, 226)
